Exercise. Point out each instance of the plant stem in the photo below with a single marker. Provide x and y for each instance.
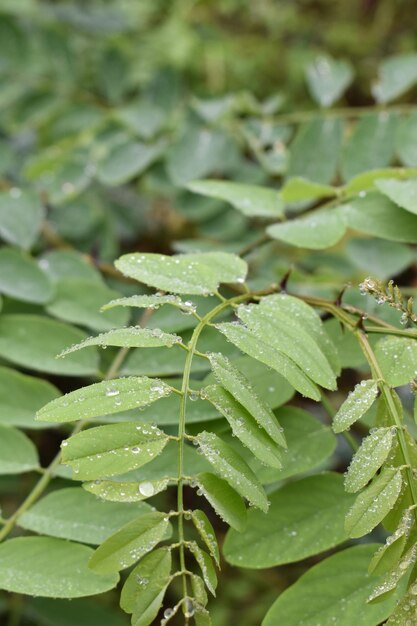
(386, 390)
(387, 394)
(185, 388)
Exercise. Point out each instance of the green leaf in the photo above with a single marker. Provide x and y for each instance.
(356, 404)
(60, 264)
(33, 342)
(316, 231)
(104, 398)
(391, 580)
(202, 617)
(73, 513)
(130, 543)
(328, 79)
(315, 150)
(22, 278)
(185, 273)
(388, 555)
(309, 444)
(298, 189)
(112, 449)
(52, 568)
(396, 75)
(402, 192)
(365, 181)
(230, 466)
(401, 613)
(376, 215)
(127, 161)
(198, 153)
(378, 257)
(371, 144)
(272, 325)
(251, 200)
(130, 337)
(206, 566)
(21, 216)
(238, 385)
(199, 590)
(144, 117)
(397, 359)
(371, 455)
(206, 532)
(293, 528)
(252, 345)
(115, 491)
(225, 501)
(243, 425)
(291, 307)
(407, 140)
(374, 503)
(17, 452)
(79, 300)
(21, 396)
(145, 616)
(332, 592)
(151, 302)
(146, 581)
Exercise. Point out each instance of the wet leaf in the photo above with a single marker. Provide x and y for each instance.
(374, 503)
(130, 543)
(17, 452)
(243, 425)
(72, 513)
(316, 231)
(52, 568)
(240, 388)
(332, 592)
(294, 527)
(131, 337)
(184, 273)
(356, 404)
(112, 449)
(104, 398)
(224, 499)
(121, 491)
(231, 466)
(206, 532)
(251, 200)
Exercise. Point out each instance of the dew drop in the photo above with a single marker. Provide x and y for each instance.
(146, 488)
(112, 392)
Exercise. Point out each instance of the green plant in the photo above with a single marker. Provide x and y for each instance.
(255, 369)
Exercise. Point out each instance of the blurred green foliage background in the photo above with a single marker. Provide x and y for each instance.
(104, 106)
